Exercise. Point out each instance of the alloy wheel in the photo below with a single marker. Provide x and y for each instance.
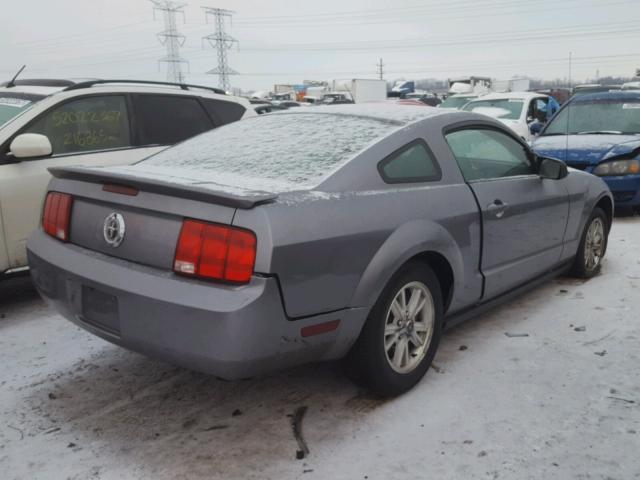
(594, 244)
(409, 326)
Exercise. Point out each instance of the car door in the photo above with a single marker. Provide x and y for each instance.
(523, 216)
(92, 130)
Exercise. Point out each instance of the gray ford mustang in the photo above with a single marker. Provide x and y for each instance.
(355, 231)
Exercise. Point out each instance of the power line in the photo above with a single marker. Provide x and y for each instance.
(412, 10)
(73, 37)
(171, 38)
(512, 37)
(489, 8)
(221, 41)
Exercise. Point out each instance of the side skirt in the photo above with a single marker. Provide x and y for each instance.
(482, 307)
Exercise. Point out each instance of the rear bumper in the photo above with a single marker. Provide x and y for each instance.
(625, 190)
(229, 331)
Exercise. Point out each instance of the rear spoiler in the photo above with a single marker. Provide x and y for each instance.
(191, 192)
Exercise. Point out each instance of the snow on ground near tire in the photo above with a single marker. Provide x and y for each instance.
(558, 403)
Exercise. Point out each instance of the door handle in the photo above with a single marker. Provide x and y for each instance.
(497, 208)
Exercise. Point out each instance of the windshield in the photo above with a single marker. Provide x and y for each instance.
(12, 104)
(597, 116)
(456, 102)
(504, 108)
(282, 152)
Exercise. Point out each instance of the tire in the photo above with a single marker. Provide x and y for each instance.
(588, 251)
(369, 363)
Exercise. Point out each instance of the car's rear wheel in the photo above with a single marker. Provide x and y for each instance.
(401, 335)
(593, 245)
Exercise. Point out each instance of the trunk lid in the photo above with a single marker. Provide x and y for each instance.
(151, 211)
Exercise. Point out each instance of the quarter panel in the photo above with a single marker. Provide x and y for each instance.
(332, 251)
(585, 190)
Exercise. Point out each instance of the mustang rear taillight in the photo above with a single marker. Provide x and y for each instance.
(215, 251)
(57, 215)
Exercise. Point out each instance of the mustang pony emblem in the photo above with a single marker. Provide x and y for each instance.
(114, 229)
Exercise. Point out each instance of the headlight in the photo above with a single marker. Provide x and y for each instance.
(618, 167)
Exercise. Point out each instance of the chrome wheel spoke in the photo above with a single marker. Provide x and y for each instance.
(398, 354)
(420, 327)
(415, 339)
(390, 329)
(402, 300)
(390, 342)
(396, 309)
(415, 302)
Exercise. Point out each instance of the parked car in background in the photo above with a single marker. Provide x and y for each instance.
(635, 85)
(236, 254)
(411, 101)
(599, 133)
(53, 123)
(336, 99)
(459, 100)
(402, 88)
(594, 88)
(269, 108)
(517, 110)
(288, 104)
(427, 98)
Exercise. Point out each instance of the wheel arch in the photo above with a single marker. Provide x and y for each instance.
(418, 241)
(606, 205)
(442, 269)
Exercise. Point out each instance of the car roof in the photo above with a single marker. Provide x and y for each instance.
(32, 89)
(48, 87)
(511, 95)
(384, 111)
(611, 95)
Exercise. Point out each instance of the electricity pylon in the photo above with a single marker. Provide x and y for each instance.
(171, 38)
(221, 41)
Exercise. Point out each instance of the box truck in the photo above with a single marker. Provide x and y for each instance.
(361, 90)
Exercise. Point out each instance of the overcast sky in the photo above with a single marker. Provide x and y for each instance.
(283, 41)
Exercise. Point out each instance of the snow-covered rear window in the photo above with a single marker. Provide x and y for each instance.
(283, 152)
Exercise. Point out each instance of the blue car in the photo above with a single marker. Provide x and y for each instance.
(599, 133)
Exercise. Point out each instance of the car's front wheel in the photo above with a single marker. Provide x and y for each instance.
(401, 335)
(593, 245)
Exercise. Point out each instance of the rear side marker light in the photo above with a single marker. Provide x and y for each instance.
(57, 215)
(215, 251)
(319, 328)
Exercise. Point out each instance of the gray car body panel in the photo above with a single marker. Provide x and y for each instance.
(323, 254)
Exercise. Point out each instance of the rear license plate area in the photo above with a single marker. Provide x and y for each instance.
(100, 309)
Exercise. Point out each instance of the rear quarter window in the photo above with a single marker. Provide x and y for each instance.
(412, 163)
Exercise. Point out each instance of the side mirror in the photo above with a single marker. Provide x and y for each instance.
(552, 168)
(30, 145)
(535, 128)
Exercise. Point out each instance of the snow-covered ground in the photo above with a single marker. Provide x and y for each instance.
(560, 403)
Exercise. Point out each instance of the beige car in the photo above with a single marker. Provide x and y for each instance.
(53, 123)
